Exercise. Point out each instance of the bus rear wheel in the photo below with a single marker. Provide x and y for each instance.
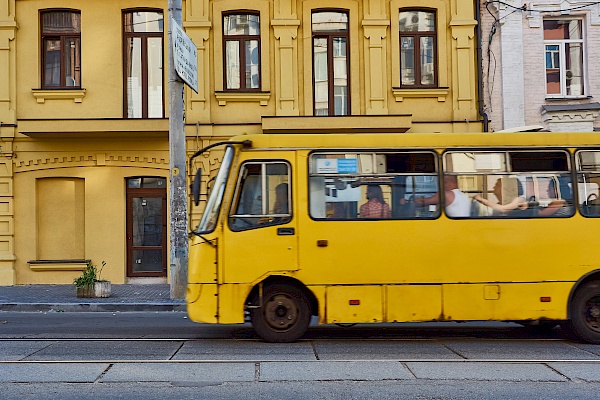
(284, 316)
(585, 313)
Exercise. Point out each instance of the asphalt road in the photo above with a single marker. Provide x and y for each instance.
(164, 355)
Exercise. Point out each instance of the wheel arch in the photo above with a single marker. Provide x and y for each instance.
(281, 279)
(590, 276)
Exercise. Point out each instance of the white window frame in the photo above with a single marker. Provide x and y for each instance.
(562, 61)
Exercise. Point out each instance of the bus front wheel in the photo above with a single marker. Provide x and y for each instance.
(284, 316)
(585, 313)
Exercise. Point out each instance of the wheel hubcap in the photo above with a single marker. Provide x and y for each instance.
(281, 312)
(592, 314)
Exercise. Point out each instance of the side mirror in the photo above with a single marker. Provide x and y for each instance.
(196, 186)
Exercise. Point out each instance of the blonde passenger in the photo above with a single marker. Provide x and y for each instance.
(518, 202)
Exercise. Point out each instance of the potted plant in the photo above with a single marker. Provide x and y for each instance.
(89, 283)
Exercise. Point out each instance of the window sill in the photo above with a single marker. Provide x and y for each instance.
(259, 97)
(439, 93)
(42, 95)
(559, 98)
(57, 265)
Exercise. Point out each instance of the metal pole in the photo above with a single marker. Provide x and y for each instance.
(177, 161)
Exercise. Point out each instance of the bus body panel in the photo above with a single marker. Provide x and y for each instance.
(523, 301)
(403, 306)
(353, 304)
(202, 302)
(204, 254)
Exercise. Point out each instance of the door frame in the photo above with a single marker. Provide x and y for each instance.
(145, 192)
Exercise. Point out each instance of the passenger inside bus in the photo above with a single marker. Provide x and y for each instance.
(502, 207)
(559, 207)
(375, 207)
(457, 204)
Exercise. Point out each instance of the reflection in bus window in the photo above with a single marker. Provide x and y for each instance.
(514, 184)
(588, 182)
(342, 185)
(262, 196)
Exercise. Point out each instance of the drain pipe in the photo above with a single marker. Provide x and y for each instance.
(480, 68)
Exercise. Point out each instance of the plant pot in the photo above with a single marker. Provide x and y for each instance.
(102, 289)
(98, 289)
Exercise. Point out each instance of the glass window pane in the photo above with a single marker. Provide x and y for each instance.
(553, 76)
(562, 29)
(232, 64)
(427, 61)
(321, 84)
(329, 21)
(73, 69)
(340, 99)
(147, 221)
(61, 22)
(134, 77)
(134, 182)
(147, 261)
(154, 182)
(155, 78)
(252, 72)
(52, 61)
(407, 51)
(417, 21)
(241, 24)
(574, 69)
(143, 21)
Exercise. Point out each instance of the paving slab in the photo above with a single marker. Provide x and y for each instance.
(333, 371)
(579, 371)
(591, 348)
(382, 350)
(244, 350)
(522, 349)
(484, 371)
(51, 372)
(18, 350)
(180, 372)
(92, 350)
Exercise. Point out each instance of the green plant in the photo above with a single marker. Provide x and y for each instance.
(90, 275)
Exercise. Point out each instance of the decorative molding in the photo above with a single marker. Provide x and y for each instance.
(262, 97)
(42, 95)
(563, 8)
(57, 265)
(89, 161)
(440, 93)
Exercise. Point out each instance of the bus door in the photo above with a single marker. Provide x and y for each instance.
(261, 233)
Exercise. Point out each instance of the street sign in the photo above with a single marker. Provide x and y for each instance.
(185, 56)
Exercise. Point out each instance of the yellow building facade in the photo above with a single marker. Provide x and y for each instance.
(84, 152)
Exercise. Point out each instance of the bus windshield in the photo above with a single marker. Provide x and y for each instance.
(215, 198)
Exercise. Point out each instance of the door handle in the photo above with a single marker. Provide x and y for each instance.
(285, 231)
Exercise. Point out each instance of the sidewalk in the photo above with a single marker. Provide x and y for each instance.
(61, 298)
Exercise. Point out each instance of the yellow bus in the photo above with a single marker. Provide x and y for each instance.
(373, 228)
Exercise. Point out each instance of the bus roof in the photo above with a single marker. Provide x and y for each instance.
(421, 140)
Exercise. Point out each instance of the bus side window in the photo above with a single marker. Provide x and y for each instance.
(588, 182)
(514, 183)
(263, 196)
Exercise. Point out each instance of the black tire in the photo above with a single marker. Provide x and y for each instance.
(585, 313)
(284, 316)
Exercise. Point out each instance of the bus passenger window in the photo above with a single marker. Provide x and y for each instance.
(372, 185)
(514, 184)
(588, 182)
(263, 196)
